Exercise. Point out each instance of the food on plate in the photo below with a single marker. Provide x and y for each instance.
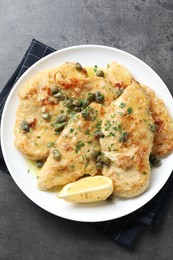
(35, 116)
(127, 141)
(89, 189)
(77, 121)
(163, 123)
(163, 137)
(76, 146)
(118, 74)
(44, 97)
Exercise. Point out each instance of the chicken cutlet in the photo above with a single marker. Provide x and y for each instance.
(72, 157)
(128, 140)
(43, 99)
(69, 79)
(121, 77)
(118, 75)
(35, 115)
(163, 129)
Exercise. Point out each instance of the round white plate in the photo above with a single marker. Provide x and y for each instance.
(87, 55)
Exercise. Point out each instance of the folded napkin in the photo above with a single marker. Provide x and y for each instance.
(123, 230)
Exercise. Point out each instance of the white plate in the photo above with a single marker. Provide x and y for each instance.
(87, 55)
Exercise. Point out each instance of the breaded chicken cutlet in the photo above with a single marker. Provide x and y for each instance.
(73, 155)
(45, 98)
(127, 141)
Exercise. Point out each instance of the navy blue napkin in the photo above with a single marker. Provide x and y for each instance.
(123, 230)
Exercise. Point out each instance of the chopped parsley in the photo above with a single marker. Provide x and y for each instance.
(99, 97)
(152, 127)
(98, 125)
(87, 132)
(119, 92)
(90, 114)
(115, 128)
(118, 128)
(120, 113)
(123, 137)
(129, 110)
(95, 68)
(110, 147)
(122, 105)
(79, 145)
(111, 134)
(71, 130)
(108, 125)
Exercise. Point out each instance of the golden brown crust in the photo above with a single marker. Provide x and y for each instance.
(128, 127)
(163, 137)
(128, 141)
(75, 148)
(35, 98)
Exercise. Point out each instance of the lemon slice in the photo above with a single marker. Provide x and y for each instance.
(88, 189)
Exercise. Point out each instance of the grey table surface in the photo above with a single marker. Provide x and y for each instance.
(143, 28)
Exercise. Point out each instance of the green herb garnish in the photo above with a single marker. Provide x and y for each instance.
(129, 110)
(71, 130)
(123, 137)
(79, 146)
(122, 105)
(95, 68)
(152, 127)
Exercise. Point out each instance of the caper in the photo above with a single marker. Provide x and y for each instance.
(61, 118)
(46, 116)
(85, 103)
(69, 103)
(100, 73)
(25, 126)
(154, 160)
(91, 97)
(39, 164)
(54, 90)
(95, 154)
(99, 165)
(56, 155)
(50, 144)
(59, 127)
(105, 160)
(77, 103)
(78, 66)
(86, 114)
(98, 134)
(59, 96)
(99, 97)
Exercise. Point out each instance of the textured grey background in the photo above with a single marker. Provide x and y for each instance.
(143, 28)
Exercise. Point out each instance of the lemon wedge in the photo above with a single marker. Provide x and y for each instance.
(88, 189)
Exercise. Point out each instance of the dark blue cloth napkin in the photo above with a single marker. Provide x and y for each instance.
(123, 230)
